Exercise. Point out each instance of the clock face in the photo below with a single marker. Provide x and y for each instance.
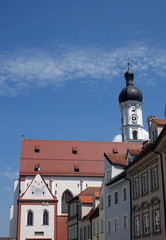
(134, 118)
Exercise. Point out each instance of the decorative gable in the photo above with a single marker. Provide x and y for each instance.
(38, 189)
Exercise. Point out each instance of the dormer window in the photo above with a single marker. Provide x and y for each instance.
(37, 149)
(76, 168)
(154, 134)
(74, 150)
(115, 150)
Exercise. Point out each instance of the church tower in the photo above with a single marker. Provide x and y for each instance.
(130, 100)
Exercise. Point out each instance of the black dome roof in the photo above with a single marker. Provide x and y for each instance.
(130, 93)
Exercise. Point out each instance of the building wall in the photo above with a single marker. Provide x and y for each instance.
(95, 232)
(102, 213)
(150, 201)
(118, 211)
(29, 231)
(13, 211)
(60, 184)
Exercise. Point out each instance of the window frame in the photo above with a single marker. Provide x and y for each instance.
(45, 218)
(109, 200)
(136, 226)
(125, 217)
(65, 198)
(146, 223)
(116, 197)
(29, 218)
(124, 198)
(116, 224)
(155, 178)
(136, 191)
(145, 183)
(158, 229)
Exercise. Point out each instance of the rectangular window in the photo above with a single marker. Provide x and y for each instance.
(108, 175)
(94, 230)
(101, 202)
(125, 221)
(89, 231)
(109, 226)
(136, 187)
(124, 194)
(85, 233)
(146, 223)
(136, 226)
(155, 178)
(116, 224)
(145, 183)
(154, 133)
(97, 227)
(109, 200)
(156, 221)
(115, 197)
(101, 225)
(81, 232)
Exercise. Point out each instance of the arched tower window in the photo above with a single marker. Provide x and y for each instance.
(65, 198)
(30, 218)
(135, 135)
(45, 218)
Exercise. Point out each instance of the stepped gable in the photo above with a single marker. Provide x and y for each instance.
(67, 158)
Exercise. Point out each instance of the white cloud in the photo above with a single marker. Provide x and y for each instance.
(8, 168)
(11, 175)
(117, 138)
(24, 69)
(8, 189)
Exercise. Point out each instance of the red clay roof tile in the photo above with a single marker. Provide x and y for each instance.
(56, 157)
(86, 199)
(117, 159)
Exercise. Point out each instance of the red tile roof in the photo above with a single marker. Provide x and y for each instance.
(97, 193)
(89, 191)
(118, 159)
(135, 151)
(56, 157)
(86, 199)
(160, 121)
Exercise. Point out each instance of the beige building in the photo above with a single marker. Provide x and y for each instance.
(148, 180)
(81, 208)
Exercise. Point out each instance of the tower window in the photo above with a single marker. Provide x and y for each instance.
(135, 135)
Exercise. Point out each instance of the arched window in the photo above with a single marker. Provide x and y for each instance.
(65, 198)
(45, 218)
(135, 135)
(30, 218)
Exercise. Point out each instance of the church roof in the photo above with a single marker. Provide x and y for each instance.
(67, 158)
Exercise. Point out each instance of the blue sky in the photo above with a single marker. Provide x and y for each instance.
(62, 66)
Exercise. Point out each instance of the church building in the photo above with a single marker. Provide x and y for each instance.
(52, 172)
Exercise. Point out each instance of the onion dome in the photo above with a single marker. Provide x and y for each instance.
(130, 92)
